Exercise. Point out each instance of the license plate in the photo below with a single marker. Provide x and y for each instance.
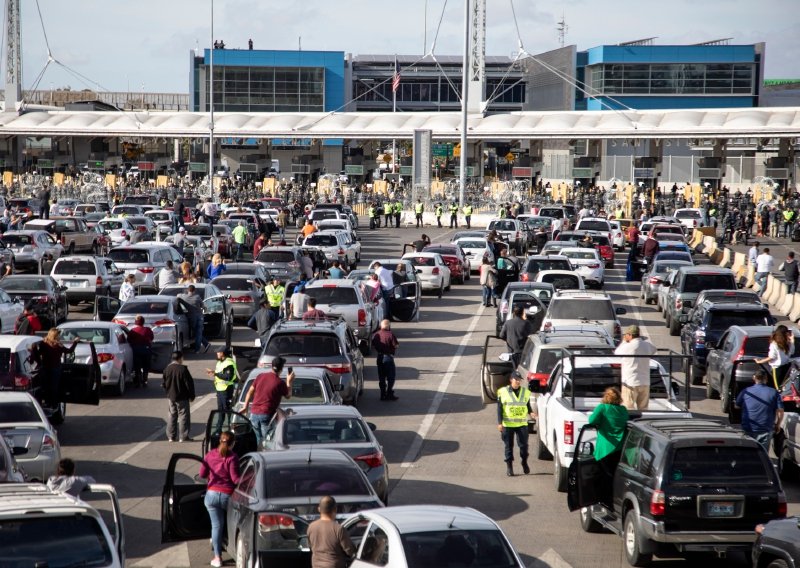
(720, 509)
(75, 283)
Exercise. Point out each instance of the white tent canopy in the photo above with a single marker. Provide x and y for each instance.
(687, 123)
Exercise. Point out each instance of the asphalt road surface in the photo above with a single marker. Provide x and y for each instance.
(441, 442)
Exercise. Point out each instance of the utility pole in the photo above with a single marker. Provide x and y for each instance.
(13, 56)
(211, 110)
(465, 75)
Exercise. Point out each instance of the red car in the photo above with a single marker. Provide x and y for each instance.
(456, 260)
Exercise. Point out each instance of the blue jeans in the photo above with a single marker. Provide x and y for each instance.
(761, 279)
(260, 423)
(763, 438)
(223, 405)
(217, 505)
(199, 340)
(386, 373)
(487, 295)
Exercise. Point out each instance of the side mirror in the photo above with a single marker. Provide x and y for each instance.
(620, 311)
(372, 426)
(505, 357)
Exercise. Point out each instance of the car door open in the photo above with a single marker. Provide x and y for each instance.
(183, 513)
(584, 475)
(106, 307)
(403, 301)
(229, 421)
(213, 312)
(496, 367)
(80, 380)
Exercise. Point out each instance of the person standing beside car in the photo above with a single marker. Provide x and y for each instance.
(193, 303)
(790, 273)
(266, 394)
(221, 467)
(610, 418)
(179, 386)
(513, 410)
(515, 332)
(385, 343)
(762, 410)
(48, 354)
(780, 353)
(28, 323)
(330, 544)
(140, 338)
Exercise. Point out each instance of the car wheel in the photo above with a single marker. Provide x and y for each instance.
(242, 556)
(120, 389)
(674, 327)
(631, 544)
(542, 452)
(588, 524)
(778, 563)
(559, 474)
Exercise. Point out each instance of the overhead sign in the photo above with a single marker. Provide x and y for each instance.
(301, 169)
(644, 173)
(198, 167)
(582, 173)
(406, 170)
(146, 166)
(44, 164)
(522, 172)
(709, 173)
(442, 150)
(354, 169)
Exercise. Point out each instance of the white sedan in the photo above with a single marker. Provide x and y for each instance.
(431, 269)
(117, 229)
(428, 535)
(617, 235)
(110, 341)
(587, 263)
(475, 249)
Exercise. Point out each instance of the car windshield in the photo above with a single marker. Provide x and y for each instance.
(227, 283)
(201, 230)
(593, 226)
(472, 244)
(564, 308)
(502, 226)
(324, 431)
(539, 222)
(111, 225)
(672, 237)
(538, 264)
(321, 241)
(313, 480)
(22, 284)
(75, 540)
(333, 295)
(562, 281)
(137, 307)
(275, 256)
(98, 336)
(304, 344)
(664, 267)
(127, 256)
(687, 214)
(19, 411)
(160, 216)
(16, 240)
(723, 319)
(75, 266)
(696, 283)
(727, 465)
(457, 547)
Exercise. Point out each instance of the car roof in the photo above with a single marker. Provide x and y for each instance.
(692, 428)
(13, 342)
(16, 396)
(332, 283)
(705, 269)
(714, 305)
(306, 456)
(324, 410)
(429, 518)
(153, 298)
(757, 330)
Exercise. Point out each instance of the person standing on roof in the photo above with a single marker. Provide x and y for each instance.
(635, 371)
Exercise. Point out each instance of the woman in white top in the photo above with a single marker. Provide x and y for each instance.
(779, 356)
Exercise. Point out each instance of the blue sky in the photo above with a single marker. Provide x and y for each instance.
(145, 44)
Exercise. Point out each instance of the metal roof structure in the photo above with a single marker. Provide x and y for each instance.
(779, 122)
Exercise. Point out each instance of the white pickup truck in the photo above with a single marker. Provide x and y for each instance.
(562, 410)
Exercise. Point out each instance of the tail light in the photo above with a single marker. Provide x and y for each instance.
(540, 377)
(98, 281)
(524, 277)
(340, 252)
(105, 357)
(146, 269)
(658, 503)
(547, 326)
(338, 368)
(569, 431)
(654, 280)
(239, 299)
(371, 460)
(274, 522)
(595, 265)
(48, 443)
(740, 353)
(695, 222)
(362, 317)
(782, 507)
(163, 322)
(504, 307)
(700, 337)
(22, 382)
(41, 299)
(678, 304)
(119, 321)
(435, 271)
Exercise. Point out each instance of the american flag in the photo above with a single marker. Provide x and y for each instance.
(396, 78)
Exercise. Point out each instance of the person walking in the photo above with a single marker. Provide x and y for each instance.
(48, 355)
(298, 302)
(193, 303)
(330, 544)
(28, 323)
(453, 215)
(210, 213)
(385, 343)
(752, 254)
(438, 211)
(225, 376)
(275, 293)
(468, 214)
(513, 410)
(65, 480)
(790, 273)
(419, 209)
(166, 276)
(762, 410)
(515, 332)
(336, 271)
(179, 210)
(261, 320)
(635, 370)
(764, 263)
(282, 222)
(488, 282)
(610, 418)
(44, 202)
(779, 355)
(178, 383)
(240, 239)
(265, 395)
(221, 467)
(260, 243)
(388, 213)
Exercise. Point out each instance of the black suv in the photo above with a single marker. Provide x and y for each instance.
(708, 321)
(685, 484)
(778, 544)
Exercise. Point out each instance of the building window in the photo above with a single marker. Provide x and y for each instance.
(268, 89)
(672, 79)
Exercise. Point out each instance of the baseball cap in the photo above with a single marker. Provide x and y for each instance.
(516, 376)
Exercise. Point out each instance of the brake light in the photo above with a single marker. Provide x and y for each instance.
(340, 252)
(362, 317)
(547, 326)
(504, 307)
(274, 522)
(595, 265)
(41, 299)
(435, 271)
(371, 460)
(163, 322)
(104, 357)
(98, 281)
(782, 507)
(48, 443)
(541, 377)
(700, 337)
(569, 431)
(524, 277)
(119, 321)
(338, 368)
(678, 304)
(654, 280)
(22, 382)
(695, 222)
(239, 299)
(146, 269)
(740, 354)
(658, 503)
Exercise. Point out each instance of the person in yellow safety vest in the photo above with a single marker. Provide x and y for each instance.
(620, 213)
(419, 209)
(439, 211)
(468, 214)
(398, 210)
(513, 409)
(371, 212)
(453, 215)
(388, 213)
(225, 376)
(275, 293)
(788, 217)
(501, 212)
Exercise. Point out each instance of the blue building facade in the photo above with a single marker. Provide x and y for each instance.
(642, 76)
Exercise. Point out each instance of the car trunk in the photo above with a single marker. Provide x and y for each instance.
(30, 438)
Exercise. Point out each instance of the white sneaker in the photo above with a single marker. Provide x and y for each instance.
(216, 563)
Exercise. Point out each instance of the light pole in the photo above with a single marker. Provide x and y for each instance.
(464, 88)
(211, 110)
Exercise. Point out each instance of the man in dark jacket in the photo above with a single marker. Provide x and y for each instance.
(179, 386)
(515, 331)
(791, 273)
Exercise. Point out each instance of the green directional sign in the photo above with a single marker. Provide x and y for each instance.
(198, 167)
(406, 170)
(44, 164)
(354, 169)
(442, 150)
(582, 173)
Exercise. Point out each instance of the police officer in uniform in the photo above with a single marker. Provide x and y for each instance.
(439, 211)
(419, 209)
(225, 375)
(513, 407)
(388, 213)
(398, 210)
(371, 212)
(453, 215)
(468, 214)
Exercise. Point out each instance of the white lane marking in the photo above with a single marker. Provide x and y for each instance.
(176, 556)
(551, 559)
(159, 433)
(413, 451)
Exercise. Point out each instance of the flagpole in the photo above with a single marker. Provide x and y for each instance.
(394, 109)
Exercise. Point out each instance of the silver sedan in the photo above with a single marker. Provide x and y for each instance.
(24, 425)
(652, 279)
(114, 353)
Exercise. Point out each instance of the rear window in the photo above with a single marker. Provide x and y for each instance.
(442, 250)
(226, 283)
(159, 216)
(554, 213)
(756, 346)
(562, 281)
(502, 226)
(580, 255)
(202, 230)
(275, 256)
(688, 214)
(581, 310)
(423, 261)
(664, 267)
(73, 540)
(538, 264)
(94, 335)
(696, 283)
(321, 241)
(723, 319)
(19, 412)
(727, 465)
(456, 547)
(24, 284)
(313, 480)
(304, 344)
(593, 226)
(111, 225)
(76, 267)
(134, 307)
(333, 295)
(324, 430)
(17, 240)
(472, 244)
(123, 256)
